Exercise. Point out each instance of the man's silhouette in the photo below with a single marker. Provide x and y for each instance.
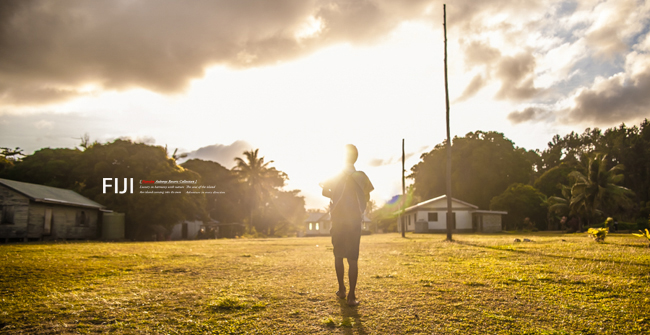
(349, 193)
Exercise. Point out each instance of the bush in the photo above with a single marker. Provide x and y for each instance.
(645, 234)
(642, 223)
(598, 234)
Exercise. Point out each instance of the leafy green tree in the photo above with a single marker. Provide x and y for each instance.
(521, 201)
(260, 182)
(228, 205)
(598, 190)
(8, 156)
(484, 165)
(51, 167)
(285, 213)
(550, 182)
(83, 171)
(125, 159)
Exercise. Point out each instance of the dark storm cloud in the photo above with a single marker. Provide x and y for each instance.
(221, 153)
(49, 49)
(613, 101)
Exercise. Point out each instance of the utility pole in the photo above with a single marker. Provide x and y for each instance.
(449, 211)
(403, 194)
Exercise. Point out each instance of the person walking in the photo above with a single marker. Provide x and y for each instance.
(349, 193)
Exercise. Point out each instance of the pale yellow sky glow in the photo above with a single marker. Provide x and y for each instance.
(300, 92)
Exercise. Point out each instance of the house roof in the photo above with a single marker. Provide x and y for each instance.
(315, 217)
(48, 194)
(431, 201)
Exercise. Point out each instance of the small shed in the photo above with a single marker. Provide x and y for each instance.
(37, 212)
(186, 230)
(430, 216)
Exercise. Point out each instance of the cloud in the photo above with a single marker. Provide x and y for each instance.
(515, 72)
(50, 49)
(528, 114)
(472, 88)
(618, 98)
(479, 53)
(615, 22)
(612, 100)
(221, 153)
(517, 75)
(44, 124)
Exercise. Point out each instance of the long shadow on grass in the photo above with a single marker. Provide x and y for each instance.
(550, 256)
(348, 314)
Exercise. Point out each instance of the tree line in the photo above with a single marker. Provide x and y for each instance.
(251, 193)
(576, 181)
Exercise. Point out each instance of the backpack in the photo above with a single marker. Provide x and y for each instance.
(348, 201)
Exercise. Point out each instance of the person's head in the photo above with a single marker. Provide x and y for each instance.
(351, 154)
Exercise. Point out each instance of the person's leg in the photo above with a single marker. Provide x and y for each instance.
(353, 273)
(340, 269)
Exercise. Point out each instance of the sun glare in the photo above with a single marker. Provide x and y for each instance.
(310, 28)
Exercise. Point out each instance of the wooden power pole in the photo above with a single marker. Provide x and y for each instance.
(449, 211)
(403, 202)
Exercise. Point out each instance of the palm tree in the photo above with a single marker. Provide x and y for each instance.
(559, 205)
(598, 190)
(260, 180)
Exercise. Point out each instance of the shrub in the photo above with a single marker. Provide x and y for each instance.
(598, 234)
(645, 234)
(609, 222)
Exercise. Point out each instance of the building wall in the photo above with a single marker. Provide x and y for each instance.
(463, 220)
(29, 218)
(193, 228)
(491, 223)
(20, 206)
(323, 228)
(409, 220)
(64, 223)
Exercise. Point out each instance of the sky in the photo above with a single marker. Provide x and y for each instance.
(300, 79)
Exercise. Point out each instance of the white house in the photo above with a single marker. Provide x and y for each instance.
(319, 224)
(431, 217)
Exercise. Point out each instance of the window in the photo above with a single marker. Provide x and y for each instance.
(7, 215)
(310, 226)
(433, 217)
(82, 219)
(316, 225)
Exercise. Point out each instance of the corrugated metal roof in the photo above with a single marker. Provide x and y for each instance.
(430, 201)
(48, 194)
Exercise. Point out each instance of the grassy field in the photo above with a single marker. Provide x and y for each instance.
(556, 284)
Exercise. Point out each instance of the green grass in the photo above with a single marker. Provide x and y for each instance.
(418, 285)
